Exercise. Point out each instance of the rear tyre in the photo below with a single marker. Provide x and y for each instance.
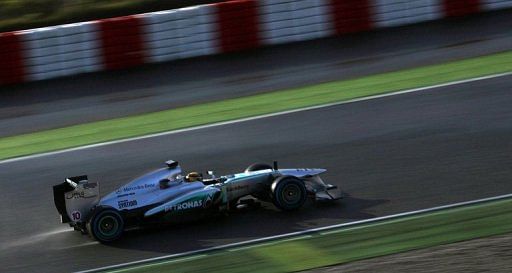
(106, 225)
(288, 193)
(258, 167)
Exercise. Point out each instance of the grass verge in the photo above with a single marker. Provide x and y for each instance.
(195, 115)
(346, 245)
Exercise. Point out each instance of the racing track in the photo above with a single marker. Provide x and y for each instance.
(391, 155)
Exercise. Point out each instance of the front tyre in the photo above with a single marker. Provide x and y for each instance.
(288, 193)
(106, 225)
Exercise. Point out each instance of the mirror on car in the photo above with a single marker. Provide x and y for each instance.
(211, 174)
(164, 183)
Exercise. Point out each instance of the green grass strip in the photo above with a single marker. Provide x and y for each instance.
(349, 244)
(144, 124)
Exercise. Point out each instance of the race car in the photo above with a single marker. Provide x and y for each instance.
(165, 195)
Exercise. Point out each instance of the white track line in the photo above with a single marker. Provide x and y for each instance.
(253, 118)
(145, 262)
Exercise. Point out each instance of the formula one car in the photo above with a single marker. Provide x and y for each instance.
(165, 195)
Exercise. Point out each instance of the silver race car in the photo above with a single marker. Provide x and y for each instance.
(165, 195)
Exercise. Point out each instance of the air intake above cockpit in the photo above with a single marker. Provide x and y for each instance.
(171, 164)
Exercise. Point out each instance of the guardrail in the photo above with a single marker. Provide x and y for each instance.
(123, 42)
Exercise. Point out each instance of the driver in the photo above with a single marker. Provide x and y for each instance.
(193, 177)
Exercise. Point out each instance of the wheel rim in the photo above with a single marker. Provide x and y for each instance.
(108, 225)
(291, 194)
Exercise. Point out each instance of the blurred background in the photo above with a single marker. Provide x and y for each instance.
(23, 14)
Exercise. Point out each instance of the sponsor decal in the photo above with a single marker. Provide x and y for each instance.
(76, 216)
(208, 201)
(135, 188)
(125, 194)
(185, 205)
(237, 188)
(192, 204)
(126, 203)
(79, 195)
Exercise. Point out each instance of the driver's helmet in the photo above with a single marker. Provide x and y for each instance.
(193, 176)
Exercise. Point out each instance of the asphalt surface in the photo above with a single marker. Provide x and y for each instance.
(78, 99)
(391, 155)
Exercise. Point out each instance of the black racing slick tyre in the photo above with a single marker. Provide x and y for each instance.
(288, 193)
(258, 167)
(106, 225)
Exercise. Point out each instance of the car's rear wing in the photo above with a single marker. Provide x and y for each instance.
(75, 197)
